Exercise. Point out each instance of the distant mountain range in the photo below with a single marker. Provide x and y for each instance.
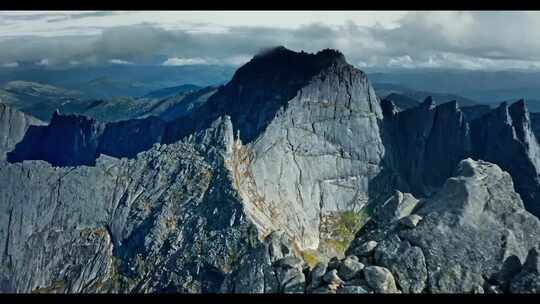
(485, 87)
(41, 100)
(121, 80)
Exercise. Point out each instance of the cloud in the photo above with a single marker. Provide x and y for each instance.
(469, 40)
(493, 35)
(43, 62)
(80, 15)
(10, 65)
(185, 61)
(234, 61)
(120, 61)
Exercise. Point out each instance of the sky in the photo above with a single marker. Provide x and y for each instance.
(478, 40)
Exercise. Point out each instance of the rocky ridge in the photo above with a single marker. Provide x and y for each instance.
(425, 144)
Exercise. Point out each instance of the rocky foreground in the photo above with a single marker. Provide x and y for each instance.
(293, 177)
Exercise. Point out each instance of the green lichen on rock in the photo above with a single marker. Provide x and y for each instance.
(311, 258)
(339, 230)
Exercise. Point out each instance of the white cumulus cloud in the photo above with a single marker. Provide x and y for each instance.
(120, 61)
(185, 61)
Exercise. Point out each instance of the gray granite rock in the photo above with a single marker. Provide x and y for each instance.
(471, 233)
(380, 279)
(316, 275)
(399, 205)
(353, 290)
(410, 221)
(406, 262)
(364, 249)
(505, 137)
(349, 268)
(187, 206)
(426, 143)
(332, 278)
(528, 279)
(137, 225)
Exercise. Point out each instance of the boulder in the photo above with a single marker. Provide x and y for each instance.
(332, 278)
(380, 279)
(364, 249)
(349, 268)
(353, 290)
(316, 275)
(410, 221)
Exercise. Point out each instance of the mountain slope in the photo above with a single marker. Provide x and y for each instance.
(171, 91)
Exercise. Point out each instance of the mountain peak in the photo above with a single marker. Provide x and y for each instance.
(282, 59)
(428, 103)
(273, 51)
(519, 106)
(266, 83)
(326, 55)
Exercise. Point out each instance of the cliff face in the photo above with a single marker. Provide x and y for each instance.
(317, 160)
(426, 143)
(67, 141)
(505, 137)
(74, 140)
(13, 124)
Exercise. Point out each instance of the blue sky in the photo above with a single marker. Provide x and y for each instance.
(387, 39)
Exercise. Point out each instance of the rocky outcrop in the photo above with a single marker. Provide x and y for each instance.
(504, 137)
(474, 234)
(14, 125)
(67, 141)
(528, 279)
(535, 124)
(74, 140)
(426, 143)
(473, 112)
(129, 137)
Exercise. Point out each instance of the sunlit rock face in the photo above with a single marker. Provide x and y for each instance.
(318, 156)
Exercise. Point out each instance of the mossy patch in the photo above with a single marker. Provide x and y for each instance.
(311, 258)
(340, 229)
